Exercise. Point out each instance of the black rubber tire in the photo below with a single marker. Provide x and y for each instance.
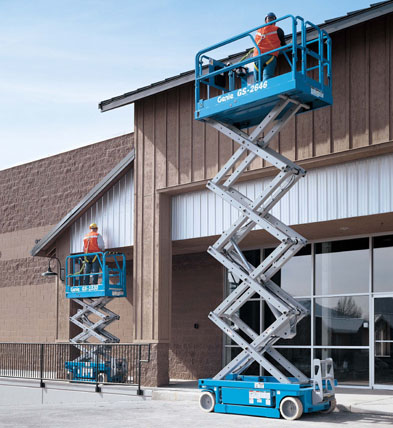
(207, 401)
(333, 405)
(291, 408)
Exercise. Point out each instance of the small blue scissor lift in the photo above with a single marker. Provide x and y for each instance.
(235, 98)
(95, 362)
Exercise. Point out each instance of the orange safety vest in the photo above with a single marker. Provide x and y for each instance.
(90, 244)
(267, 39)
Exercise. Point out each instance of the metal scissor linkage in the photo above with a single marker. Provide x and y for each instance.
(94, 307)
(257, 279)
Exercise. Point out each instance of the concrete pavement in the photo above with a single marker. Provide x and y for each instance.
(138, 413)
(175, 406)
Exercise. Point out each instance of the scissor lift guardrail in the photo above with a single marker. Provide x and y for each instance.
(269, 108)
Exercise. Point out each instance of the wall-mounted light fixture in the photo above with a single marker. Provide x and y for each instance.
(50, 272)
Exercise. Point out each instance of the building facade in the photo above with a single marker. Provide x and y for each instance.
(344, 207)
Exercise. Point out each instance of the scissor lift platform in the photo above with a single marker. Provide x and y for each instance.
(236, 98)
(247, 106)
(111, 277)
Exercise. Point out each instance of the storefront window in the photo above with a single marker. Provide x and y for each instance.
(303, 328)
(295, 277)
(299, 357)
(383, 318)
(342, 267)
(383, 266)
(250, 311)
(342, 321)
(351, 366)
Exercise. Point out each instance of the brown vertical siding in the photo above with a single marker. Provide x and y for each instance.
(360, 115)
(389, 51)
(304, 135)
(379, 82)
(152, 254)
(359, 88)
(198, 150)
(185, 133)
(160, 127)
(341, 91)
(172, 138)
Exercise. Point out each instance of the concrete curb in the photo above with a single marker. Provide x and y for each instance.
(175, 395)
(356, 409)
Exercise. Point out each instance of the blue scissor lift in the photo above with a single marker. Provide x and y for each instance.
(235, 98)
(95, 362)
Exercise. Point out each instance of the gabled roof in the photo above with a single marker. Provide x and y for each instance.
(331, 25)
(114, 175)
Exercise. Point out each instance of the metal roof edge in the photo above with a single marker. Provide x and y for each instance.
(357, 17)
(83, 204)
(133, 96)
(330, 26)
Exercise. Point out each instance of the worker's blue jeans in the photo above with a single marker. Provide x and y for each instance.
(91, 267)
(268, 63)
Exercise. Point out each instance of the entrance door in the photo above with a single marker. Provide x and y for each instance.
(383, 342)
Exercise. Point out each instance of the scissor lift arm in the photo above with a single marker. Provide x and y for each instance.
(230, 391)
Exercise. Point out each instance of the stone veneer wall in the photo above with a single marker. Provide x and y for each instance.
(33, 198)
(197, 289)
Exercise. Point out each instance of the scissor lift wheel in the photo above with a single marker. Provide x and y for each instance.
(207, 401)
(333, 405)
(291, 408)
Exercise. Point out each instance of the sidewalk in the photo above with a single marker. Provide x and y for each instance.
(351, 400)
(365, 401)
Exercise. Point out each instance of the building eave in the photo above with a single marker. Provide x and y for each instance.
(47, 242)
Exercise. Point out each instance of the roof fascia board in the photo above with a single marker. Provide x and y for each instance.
(48, 239)
(329, 27)
(138, 94)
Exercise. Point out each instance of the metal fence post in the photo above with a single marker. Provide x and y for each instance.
(42, 384)
(98, 389)
(139, 392)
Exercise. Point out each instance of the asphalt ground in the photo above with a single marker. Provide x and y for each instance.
(164, 414)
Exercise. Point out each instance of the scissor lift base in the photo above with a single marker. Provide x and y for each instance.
(260, 396)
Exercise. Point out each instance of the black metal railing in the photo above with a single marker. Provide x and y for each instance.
(93, 363)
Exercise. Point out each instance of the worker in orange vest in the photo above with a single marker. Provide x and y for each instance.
(268, 38)
(92, 243)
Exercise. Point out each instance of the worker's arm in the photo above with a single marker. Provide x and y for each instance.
(281, 36)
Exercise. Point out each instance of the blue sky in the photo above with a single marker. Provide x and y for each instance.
(60, 58)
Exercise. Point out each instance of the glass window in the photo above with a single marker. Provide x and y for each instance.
(303, 328)
(295, 277)
(351, 366)
(342, 321)
(342, 267)
(383, 308)
(250, 311)
(300, 358)
(383, 266)
(233, 351)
